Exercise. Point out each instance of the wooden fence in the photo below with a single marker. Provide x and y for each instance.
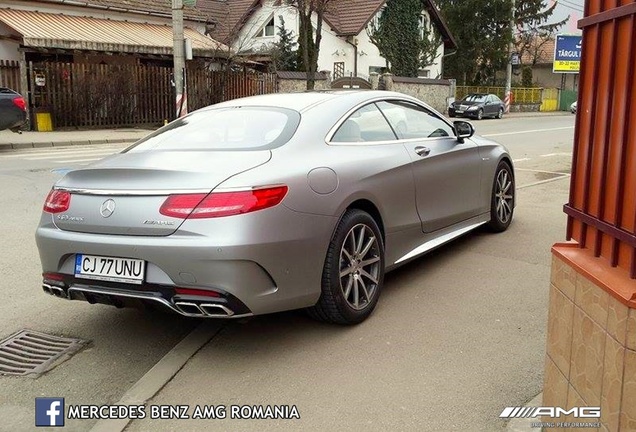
(101, 95)
(10, 74)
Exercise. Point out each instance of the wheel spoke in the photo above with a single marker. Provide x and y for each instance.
(352, 239)
(347, 255)
(364, 289)
(346, 272)
(367, 247)
(347, 290)
(370, 261)
(356, 294)
(368, 275)
(358, 248)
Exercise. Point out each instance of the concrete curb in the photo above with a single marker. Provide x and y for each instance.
(161, 373)
(44, 144)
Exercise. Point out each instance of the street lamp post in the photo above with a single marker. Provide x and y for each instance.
(508, 98)
(179, 58)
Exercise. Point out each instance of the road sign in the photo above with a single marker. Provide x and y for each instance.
(567, 54)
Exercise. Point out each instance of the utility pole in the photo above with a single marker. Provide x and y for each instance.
(509, 64)
(179, 58)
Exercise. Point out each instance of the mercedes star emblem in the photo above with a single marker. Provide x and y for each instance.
(107, 208)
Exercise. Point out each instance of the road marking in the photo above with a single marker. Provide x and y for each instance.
(543, 182)
(161, 373)
(528, 131)
(555, 154)
(76, 160)
(521, 160)
(542, 171)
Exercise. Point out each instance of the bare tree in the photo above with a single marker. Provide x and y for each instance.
(532, 44)
(308, 45)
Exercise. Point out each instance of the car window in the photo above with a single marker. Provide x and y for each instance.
(365, 125)
(495, 98)
(489, 98)
(475, 98)
(237, 128)
(413, 121)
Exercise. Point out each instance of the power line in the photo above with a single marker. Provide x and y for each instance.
(569, 5)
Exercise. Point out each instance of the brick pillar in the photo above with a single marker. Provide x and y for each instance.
(591, 342)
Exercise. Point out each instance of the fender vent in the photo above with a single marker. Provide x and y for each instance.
(30, 352)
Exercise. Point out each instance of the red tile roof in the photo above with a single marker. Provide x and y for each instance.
(346, 17)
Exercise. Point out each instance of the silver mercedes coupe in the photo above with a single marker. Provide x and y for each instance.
(272, 203)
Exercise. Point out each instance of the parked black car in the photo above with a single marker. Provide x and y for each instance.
(12, 110)
(478, 106)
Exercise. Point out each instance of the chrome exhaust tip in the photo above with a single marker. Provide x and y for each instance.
(189, 309)
(47, 289)
(216, 310)
(58, 292)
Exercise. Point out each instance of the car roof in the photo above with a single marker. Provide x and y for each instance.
(303, 101)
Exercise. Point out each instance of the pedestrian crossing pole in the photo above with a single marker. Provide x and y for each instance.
(508, 98)
(179, 58)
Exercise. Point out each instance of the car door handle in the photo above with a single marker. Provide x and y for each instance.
(422, 151)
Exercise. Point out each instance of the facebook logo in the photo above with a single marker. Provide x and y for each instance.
(49, 412)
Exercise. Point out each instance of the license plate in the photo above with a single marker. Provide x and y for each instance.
(459, 111)
(127, 270)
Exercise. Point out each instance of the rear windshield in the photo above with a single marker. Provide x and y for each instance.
(235, 128)
(475, 98)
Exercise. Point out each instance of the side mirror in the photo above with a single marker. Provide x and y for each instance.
(463, 130)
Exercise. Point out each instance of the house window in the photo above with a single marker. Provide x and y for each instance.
(423, 25)
(269, 29)
(374, 24)
(338, 70)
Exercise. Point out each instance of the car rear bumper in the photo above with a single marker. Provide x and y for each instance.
(258, 263)
(12, 119)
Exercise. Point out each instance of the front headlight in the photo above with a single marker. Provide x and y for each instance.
(472, 108)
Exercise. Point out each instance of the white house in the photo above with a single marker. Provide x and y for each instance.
(251, 28)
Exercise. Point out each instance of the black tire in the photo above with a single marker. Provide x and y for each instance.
(338, 298)
(500, 113)
(480, 114)
(502, 201)
(451, 115)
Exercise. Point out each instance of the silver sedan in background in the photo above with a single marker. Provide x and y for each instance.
(272, 203)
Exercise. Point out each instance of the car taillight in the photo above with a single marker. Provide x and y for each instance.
(57, 201)
(20, 103)
(219, 204)
(53, 276)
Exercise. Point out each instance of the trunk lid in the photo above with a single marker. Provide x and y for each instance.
(123, 193)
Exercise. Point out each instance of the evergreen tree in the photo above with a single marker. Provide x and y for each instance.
(402, 41)
(285, 54)
(482, 31)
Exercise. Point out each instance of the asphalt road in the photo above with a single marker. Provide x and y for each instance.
(457, 336)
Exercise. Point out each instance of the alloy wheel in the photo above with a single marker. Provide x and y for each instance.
(504, 196)
(359, 266)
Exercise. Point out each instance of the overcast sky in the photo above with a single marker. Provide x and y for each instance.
(573, 8)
